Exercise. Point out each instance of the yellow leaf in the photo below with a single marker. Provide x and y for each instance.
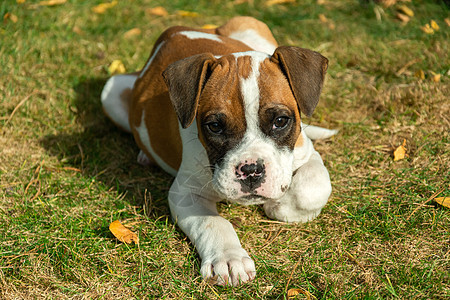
(102, 7)
(420, 74)
(402, 17)
(323, 18)
(10, 16)
(435, 76)
(157, 11)
(185, 13)
(122, 233)
(291, 293)
(209, 26)
(406, 10)
(434, 25)
(52, 2)
(20, 1)
(273, 2)
(427, 29)
(444, 201)
(447, 21)
(116, 67)
(77, 30)
(400, 152)
(132, 32)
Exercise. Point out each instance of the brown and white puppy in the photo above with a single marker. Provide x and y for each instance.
(220, 110)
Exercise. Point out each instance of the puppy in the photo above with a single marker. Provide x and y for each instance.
(220, 110)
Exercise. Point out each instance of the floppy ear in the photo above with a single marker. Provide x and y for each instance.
(305, 71)
(185, 80)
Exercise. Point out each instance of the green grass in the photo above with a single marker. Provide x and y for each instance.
(66, 172)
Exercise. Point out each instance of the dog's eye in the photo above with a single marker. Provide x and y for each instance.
(215, 127)
(280, 122)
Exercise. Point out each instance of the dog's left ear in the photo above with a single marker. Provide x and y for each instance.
(185, 80)
(305, 71)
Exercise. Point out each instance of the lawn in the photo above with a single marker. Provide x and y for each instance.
(66, 172)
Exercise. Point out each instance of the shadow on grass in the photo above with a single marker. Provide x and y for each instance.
(103, 152)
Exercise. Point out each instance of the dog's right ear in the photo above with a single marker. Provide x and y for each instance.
(185, 79)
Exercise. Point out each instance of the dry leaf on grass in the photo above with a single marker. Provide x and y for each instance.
(52, 2)
(122, 233)
(294, 292)
(402, 17)
(185, 13)
(102, 7)
(400, 152)
(447, 21)
(274, 2)
(444, 201)
(406, 10)
(116, 67)
(434, 25)
(157, 11)
(20, 1)
(420, 74)
(209, 26)
(131, 33)
(9, 16)
(427, 29)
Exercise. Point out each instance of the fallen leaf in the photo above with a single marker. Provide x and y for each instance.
(444, 201)
(427, 29)
(274, 2)
(157, 11)
(122, 233)
(294, 292)
(323, 18)
(400, 152)
(9, 16)
(402, 17)
(77, 30)
(435, 76)
(116, 67)
(132, 32)
(20, 1)
(185, 13)
(434, 25)
(420, 74)
(209, 26)
(386, 3)
(52, 2)
(406, 10)
(102, 7)
(447, 21)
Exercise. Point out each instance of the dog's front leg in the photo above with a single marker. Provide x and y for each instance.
(223, 258)
(307, 195)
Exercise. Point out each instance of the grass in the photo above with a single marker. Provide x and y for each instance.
(66, 172)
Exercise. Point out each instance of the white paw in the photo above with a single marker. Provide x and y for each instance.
(288, 214)
(234, 267)
(143, 159)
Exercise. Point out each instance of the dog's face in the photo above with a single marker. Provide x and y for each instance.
(248, 120)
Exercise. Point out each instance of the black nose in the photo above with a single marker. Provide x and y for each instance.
(251, 175)
(252, 169)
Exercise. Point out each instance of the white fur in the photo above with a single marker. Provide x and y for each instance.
(318, 133)
(113, 105)
(150, 60)
(251, 38)
(193, 35)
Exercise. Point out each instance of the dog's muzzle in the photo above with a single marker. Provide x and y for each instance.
(250, 174)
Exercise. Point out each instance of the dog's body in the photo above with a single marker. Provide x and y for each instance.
(220, 110)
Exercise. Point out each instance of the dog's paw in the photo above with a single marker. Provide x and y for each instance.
(143, 159)
(234, 267)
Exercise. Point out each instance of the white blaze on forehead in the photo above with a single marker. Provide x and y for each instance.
(151, 59)
(193, 35)
(250, 89)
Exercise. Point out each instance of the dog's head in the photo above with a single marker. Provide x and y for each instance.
(247, 109)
